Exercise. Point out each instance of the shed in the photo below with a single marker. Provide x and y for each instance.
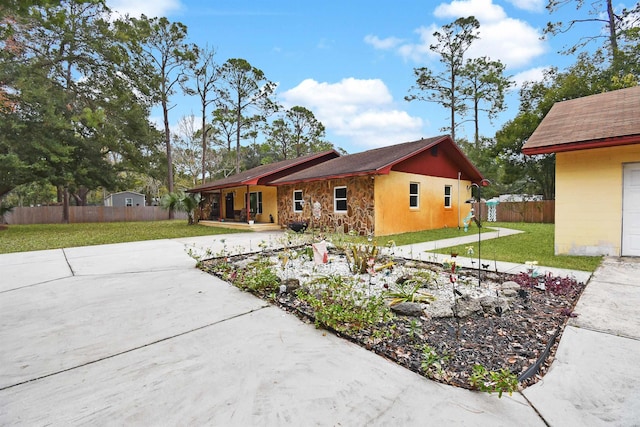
(125, 198)
(596, 140)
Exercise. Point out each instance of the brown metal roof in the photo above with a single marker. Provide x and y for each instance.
(377, 161)
(264, 173)
(606, 119)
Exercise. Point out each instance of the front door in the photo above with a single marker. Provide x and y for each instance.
(631, 210)
(228, 206)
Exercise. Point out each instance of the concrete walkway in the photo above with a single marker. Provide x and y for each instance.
(133, 334)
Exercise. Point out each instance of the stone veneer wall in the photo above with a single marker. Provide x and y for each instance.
(360, 207)
(205, 205)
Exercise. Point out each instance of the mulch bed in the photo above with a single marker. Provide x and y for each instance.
(518, 339)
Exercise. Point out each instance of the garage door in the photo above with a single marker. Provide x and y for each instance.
(631, 210)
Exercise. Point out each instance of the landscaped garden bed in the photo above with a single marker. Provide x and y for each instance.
(493, 334)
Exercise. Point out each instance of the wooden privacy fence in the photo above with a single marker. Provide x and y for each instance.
(541, 212)
(53, 214)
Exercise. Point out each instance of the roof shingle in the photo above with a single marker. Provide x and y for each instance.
(379, 160)
(264, 172)
(610, 118)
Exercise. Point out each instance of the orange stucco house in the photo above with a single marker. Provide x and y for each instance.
(413, 186)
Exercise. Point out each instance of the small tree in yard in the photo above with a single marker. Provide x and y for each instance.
(181, 202)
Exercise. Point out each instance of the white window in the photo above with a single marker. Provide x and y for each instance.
(340, 199)
(128, 201)
(414, 195)
(298, 201)
(447, 196)
(255, 202)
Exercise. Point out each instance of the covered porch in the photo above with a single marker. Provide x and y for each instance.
(256, 226)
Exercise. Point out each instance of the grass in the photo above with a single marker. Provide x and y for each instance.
(428, 235)
(535, 244)
(21, 238)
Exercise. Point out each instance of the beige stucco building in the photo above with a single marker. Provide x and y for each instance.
(597, 144)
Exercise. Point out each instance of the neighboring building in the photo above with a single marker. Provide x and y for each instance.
(520, 198)
(417, 185)
(413, 186)
(597, 144)
(248, 194)
(125, 198)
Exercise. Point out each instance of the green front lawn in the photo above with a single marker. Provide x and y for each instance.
(535, 244)
(428, 235)
(21, 238)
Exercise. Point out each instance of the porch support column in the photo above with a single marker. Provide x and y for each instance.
(248, 208)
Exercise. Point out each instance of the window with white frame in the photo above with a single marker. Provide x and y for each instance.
(414, 195)
(447, 196)
(340, 199)
(298, 201)
(255, 202)
(128, 201)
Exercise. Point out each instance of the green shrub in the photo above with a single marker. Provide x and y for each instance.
(491, 381)
(258, 277)
(408, 291)
(340, 304)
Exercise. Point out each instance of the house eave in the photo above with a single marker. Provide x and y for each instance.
(328, 177)
(582, 145)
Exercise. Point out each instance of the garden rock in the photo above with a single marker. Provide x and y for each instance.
(467, 306)
(413, 309)
(509, 289)
(494, 305)
(439, 308)
(290, 285)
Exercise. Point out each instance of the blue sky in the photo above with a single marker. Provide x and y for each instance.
(351, 61)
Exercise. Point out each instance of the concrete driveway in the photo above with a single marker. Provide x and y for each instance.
(134, 334)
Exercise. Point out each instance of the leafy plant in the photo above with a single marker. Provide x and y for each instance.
(180, 201)
(433, 363)
(493, 381)
(339, 303)
(360, 256)
(548, 282)
(259, 276)
(414, 328)
(409, 291)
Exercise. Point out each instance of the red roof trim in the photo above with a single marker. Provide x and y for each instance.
(388, 166)
(583, 145)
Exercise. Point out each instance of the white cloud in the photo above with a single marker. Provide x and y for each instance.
(529, 5)
(378, 43)
(360, 110)
(510, 40)
(483, 10)
(531, 75)
(135, 8)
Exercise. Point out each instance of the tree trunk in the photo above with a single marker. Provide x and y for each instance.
(65, 205)
(204, 144)
(613, 37)
(167, 140)
(238, 136)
